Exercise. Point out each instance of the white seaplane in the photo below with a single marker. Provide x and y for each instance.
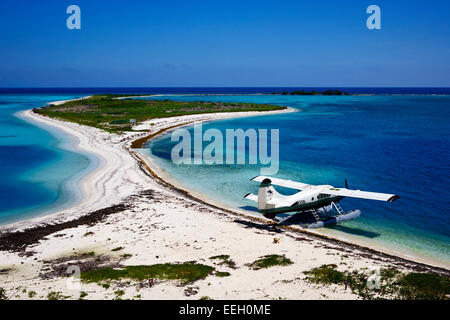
(319, 202)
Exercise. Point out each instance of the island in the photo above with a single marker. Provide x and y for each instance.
(115, 113)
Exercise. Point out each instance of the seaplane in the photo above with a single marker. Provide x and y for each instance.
(318, 205)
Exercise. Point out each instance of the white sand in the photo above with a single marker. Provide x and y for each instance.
(168, 227)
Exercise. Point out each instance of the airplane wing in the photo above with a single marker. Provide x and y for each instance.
(360, 194)
(281, 182)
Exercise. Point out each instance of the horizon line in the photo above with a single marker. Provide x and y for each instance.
(163, 87)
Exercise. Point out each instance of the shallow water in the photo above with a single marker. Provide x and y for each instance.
(39, 171)
(392, 144)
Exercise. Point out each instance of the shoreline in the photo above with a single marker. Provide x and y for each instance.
(70, 143)
(134, 215)
(85, 140)
(99, 187)
(158, 173)
(164, 177)
(157, 127)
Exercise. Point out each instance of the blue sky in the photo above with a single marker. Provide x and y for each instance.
(224, 43)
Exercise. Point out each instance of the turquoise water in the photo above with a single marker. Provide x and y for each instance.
(39, 172)
(395, 144)
(392, 144)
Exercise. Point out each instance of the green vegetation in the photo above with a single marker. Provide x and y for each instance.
(225, 261)
(82, 295)
(31, 294)
(114, 115)
(119, 293)
(393, 283)
(117, 249)
(185, 272)
(270, 261)
(56, 295)
(221, 257)
(105, 285)
(222, 274)
(426, 286)
(326, 274)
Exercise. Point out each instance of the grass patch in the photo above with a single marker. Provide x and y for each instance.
(424, 286)
(31, 294)
(222, 274)
(105, 285)
(56, 295)
(326, 274)
(225, 260)
(119, 293)
(185, 272)
(392, 283)
(221, 257)
(113, 115)
(270, 261)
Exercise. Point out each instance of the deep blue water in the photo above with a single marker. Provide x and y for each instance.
(382, 143)
(37, 168)
(385, 143)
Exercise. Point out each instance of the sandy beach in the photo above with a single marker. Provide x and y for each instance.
(133, 213)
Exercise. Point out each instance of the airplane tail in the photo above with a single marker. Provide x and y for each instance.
(267, 198)
(266, 195)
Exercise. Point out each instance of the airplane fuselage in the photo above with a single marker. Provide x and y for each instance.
(310, 198)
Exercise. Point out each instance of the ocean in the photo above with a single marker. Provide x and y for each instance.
(39, 171)
(395, 140)
(383, 143)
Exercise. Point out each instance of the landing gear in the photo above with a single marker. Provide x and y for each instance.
(338, 208)
(315, 214)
